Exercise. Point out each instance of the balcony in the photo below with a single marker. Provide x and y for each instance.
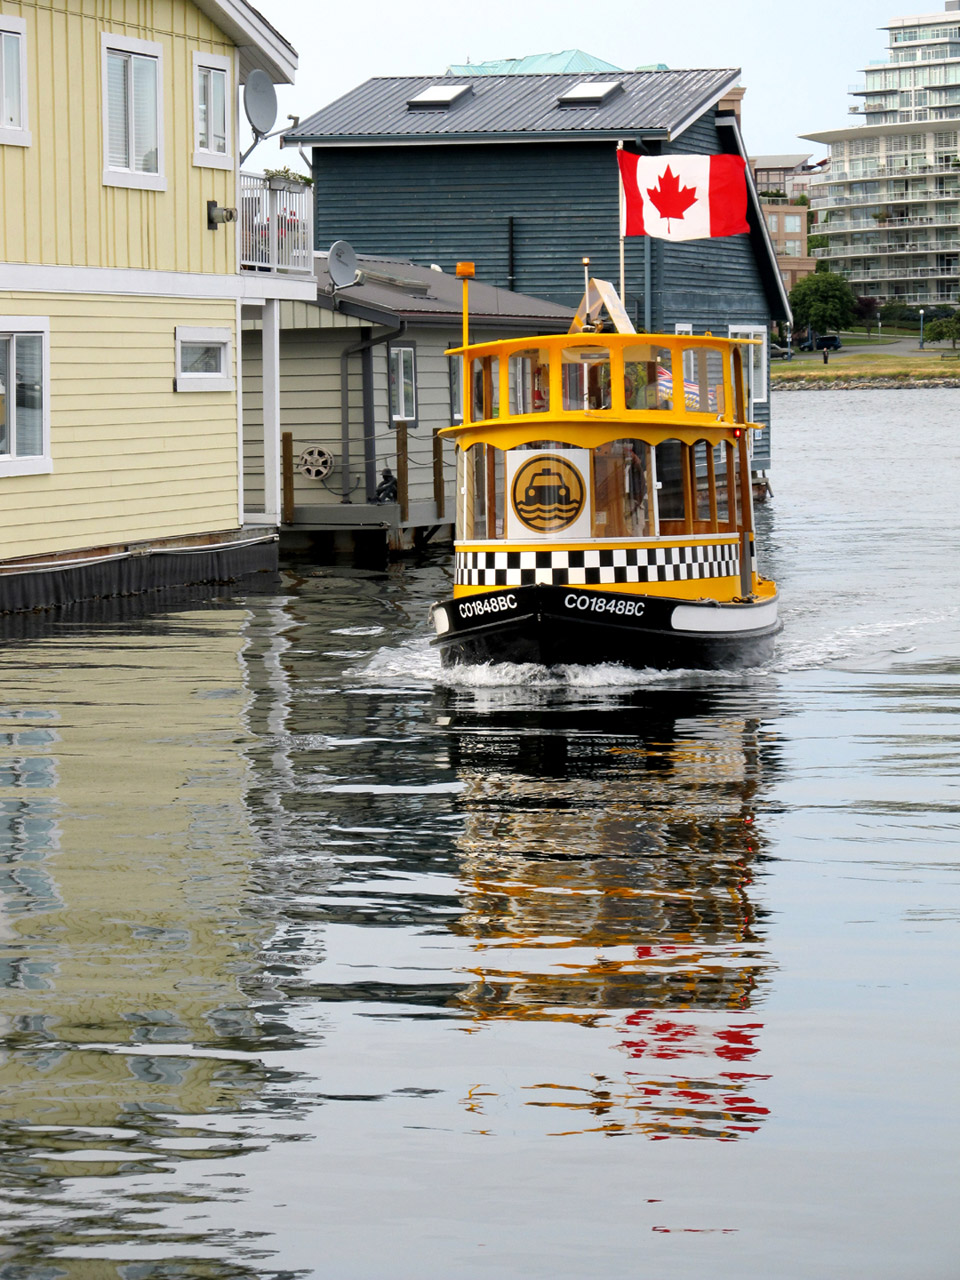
(872, 225)
(902, 273)
(276, 225)
(871, 250)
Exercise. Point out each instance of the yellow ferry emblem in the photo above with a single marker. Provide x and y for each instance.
(548, 493)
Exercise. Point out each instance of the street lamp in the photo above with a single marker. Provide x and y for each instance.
(921, 328)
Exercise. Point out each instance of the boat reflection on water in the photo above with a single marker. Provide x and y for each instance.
(608, 882)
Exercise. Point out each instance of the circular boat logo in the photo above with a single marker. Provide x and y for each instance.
(548, 493)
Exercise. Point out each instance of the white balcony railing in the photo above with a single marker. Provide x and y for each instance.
(861, 250)
(276, 225)
(871, 224)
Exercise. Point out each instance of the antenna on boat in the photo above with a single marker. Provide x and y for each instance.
(586, 276)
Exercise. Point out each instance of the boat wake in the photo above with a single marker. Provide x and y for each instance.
(416, 664)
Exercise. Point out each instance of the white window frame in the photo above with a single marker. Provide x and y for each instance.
(10, 136)
(223, 381)
(39, 464)
(756, 368)
(398, 350)
(110, 42)
(202, 158)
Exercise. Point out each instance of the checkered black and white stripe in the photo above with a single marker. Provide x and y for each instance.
(596, 566)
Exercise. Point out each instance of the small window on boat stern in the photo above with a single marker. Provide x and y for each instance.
(647, 377)
(586, 378)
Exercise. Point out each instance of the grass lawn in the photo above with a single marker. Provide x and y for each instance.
(861, 365)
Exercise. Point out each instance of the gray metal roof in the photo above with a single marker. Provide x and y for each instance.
(402, 288)
(514, 107)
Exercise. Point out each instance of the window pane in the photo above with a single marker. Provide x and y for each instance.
(201, 357)
(118, 142)
(203, 108)
(29, 412)
(409, 402)
(218, 112)
(485, 384)
(145, 139)
(621, 484)
(670, 458)
(395, 384)
(647, 377)
(4, 402)
(529, 381)
(586, 378)
(10, 81)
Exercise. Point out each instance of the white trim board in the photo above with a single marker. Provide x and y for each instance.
(250, 287)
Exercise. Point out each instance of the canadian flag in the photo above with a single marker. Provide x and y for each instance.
(682, 197)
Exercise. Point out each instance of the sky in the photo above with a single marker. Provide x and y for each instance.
(797, 61)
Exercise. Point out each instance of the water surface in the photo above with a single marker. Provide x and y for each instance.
(317, 960)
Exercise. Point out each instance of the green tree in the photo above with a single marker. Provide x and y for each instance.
(823, 301)
(867, 309)
(944, 330)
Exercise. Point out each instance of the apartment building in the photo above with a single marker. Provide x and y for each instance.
(890, 204)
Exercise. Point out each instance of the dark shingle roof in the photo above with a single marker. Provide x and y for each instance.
(525, 106)
(432, 296)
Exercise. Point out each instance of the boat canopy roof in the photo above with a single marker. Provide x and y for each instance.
(588, 388)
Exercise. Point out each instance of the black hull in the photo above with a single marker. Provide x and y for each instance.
(552, 625)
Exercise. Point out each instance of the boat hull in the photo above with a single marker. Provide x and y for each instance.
(553, 625)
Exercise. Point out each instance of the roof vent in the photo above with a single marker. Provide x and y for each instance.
(438, 97)
(589, 93)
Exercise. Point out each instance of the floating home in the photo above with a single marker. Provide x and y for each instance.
(124, 263)
(519, 174)
(365, 386)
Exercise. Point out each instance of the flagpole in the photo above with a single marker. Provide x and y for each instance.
(623, 299)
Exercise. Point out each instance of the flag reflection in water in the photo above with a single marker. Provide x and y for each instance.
(607, 882)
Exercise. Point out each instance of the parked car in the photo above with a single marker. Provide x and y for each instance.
(830, 341)
(780, 353)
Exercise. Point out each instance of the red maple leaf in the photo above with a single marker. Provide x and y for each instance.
(670, 199)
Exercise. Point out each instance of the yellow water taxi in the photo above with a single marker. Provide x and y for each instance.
(604, 502)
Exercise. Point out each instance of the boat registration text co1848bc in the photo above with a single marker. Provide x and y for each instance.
(604, 502)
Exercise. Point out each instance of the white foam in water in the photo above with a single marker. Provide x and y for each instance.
(417, 663)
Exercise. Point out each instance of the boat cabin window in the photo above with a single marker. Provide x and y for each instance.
(485, 387)
(698, 487)
(703, 390)
(647, 377)
(480, 489)
(529, 372)
(585, 378)
(622, 485)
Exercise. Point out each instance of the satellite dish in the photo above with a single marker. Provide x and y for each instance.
(342, 264)
(260, 102)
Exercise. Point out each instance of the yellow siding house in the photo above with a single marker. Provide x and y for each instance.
(127, 249)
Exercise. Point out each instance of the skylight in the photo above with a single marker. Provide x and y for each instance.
(589, 93)
(437, 97)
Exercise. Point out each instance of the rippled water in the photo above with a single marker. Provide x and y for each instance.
(317, 960)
